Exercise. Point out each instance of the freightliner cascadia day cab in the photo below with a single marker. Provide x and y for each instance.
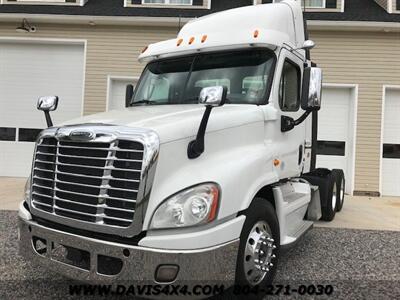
(204, 177)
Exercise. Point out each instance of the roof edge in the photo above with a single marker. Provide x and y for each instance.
(175, 21)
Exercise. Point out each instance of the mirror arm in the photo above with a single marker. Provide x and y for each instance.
(288, 123)
(196, 147)
(48, 118)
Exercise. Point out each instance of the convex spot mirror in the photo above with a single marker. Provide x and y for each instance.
(312, 89)
(47, 103)
(213, 96)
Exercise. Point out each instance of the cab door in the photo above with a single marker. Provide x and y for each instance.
(289, 146)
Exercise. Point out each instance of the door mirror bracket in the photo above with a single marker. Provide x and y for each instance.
(211, 97)
(47, 104)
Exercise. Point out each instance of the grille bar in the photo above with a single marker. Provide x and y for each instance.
(96, 182)
(89, 167)
(92, 205)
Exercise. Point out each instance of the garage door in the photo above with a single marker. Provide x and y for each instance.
(335, 131)
(116, 94)
(391, 144)
(27, 71)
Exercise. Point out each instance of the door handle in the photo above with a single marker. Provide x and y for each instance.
(300, 154)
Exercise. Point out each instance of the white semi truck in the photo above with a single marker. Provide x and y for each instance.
(205, 176)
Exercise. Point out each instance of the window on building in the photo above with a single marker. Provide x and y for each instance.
(313, 3)
(289, 87)
(168, 2)
(67, 2)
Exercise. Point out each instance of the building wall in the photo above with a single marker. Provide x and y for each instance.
(368, 59)
(111, 50)
(395, 8)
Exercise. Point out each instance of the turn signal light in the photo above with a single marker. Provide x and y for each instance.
(256, 33)
(179, 42)
(191, 40)
(277, 162)
(204, 38)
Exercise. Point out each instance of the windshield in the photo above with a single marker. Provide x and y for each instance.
(246, 74)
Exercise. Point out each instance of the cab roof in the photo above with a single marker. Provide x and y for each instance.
(265, 25)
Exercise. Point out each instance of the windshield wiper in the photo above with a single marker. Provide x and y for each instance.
(144, 101)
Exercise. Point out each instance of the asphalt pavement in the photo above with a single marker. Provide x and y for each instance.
(358, 264)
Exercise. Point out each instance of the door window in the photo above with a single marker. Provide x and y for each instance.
(289, 87)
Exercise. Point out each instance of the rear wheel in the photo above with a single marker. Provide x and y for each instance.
(340, 186)
(259, 245)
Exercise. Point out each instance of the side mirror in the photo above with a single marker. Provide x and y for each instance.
(47, 104)
(312, 89)
(213, 96)
(308, 45)
(128, 95)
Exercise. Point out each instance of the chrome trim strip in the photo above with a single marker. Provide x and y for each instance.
(105, 134)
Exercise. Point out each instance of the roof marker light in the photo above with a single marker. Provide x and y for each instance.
(204, 38)
(191, 40)
(179, 42)
(256, 33)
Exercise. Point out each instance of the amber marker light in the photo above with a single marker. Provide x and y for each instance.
(179, 42)
(204, 38)
(214, 205)
(277, 162)
(191, 40)
(256, 33)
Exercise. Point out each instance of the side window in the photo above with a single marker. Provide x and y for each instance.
(289, 87)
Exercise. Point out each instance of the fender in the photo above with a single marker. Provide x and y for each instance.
(241, 165)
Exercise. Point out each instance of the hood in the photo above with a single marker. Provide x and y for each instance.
(173, 122)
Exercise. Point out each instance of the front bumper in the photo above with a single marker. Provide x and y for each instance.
(196, 267)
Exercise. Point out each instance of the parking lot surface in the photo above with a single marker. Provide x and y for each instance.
(359, 264)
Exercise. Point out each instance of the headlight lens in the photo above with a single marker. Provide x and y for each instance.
(193, 206)
(27, 190)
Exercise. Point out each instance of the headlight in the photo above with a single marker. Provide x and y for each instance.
(193, 206)
(27, 191)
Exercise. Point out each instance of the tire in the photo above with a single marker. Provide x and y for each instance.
(326, 183)
(259, 246)
(340, 185)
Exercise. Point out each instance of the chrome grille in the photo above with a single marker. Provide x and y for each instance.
(95, 182)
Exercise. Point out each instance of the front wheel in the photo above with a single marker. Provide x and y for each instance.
(259, 245)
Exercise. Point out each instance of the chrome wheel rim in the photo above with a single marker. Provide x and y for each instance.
(342, 191)
(334, 196)
(258, 254)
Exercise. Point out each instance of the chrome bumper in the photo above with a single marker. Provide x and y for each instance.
(196, 267)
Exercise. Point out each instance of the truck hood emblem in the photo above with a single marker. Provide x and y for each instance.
(79, 135)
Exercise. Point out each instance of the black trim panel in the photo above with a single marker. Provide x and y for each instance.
(28, 134)
(331, 148)
(8, 134)
(391, 151)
